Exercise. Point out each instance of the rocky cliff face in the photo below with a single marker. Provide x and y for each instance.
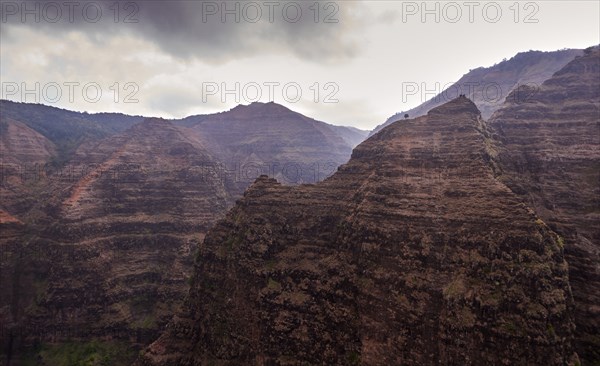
(114, 263)
(23, 152)
(142, 206)
(488, 87)
(21, 144)
(412, 253)
(23, 155)
(549, 152)
(101, 247)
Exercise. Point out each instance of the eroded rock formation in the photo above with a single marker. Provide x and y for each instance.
(412, 253)
(549, 153)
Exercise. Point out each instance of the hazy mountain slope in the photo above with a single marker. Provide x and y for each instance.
(353, 136)
(549, 152)
(489, 86)
(23, 155)
(271, 129)
(66, 129)
(412, 253)
(21, 144)
(272, 139)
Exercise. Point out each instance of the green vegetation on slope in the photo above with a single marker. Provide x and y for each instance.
(82, 354)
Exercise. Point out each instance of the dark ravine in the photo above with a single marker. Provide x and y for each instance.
(412, 253)
(549, 153)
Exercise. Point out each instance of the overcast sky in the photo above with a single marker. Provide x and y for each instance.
(340, 62)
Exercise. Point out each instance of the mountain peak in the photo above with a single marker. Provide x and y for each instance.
(261, 185)
(459, 104)
(456, 107)
(260, 108)
(155, 121)
(153, 124)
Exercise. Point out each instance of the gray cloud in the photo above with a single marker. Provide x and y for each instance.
(204, 30)
(170, 52)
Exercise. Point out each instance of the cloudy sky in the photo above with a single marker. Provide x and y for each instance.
(340, 62)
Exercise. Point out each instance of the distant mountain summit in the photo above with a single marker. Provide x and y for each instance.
(257, 109)
(286, 144)
(488, 87)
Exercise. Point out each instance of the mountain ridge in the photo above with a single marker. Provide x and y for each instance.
(525, 68)
(121, 213)
(399, 241)
(549, 154)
